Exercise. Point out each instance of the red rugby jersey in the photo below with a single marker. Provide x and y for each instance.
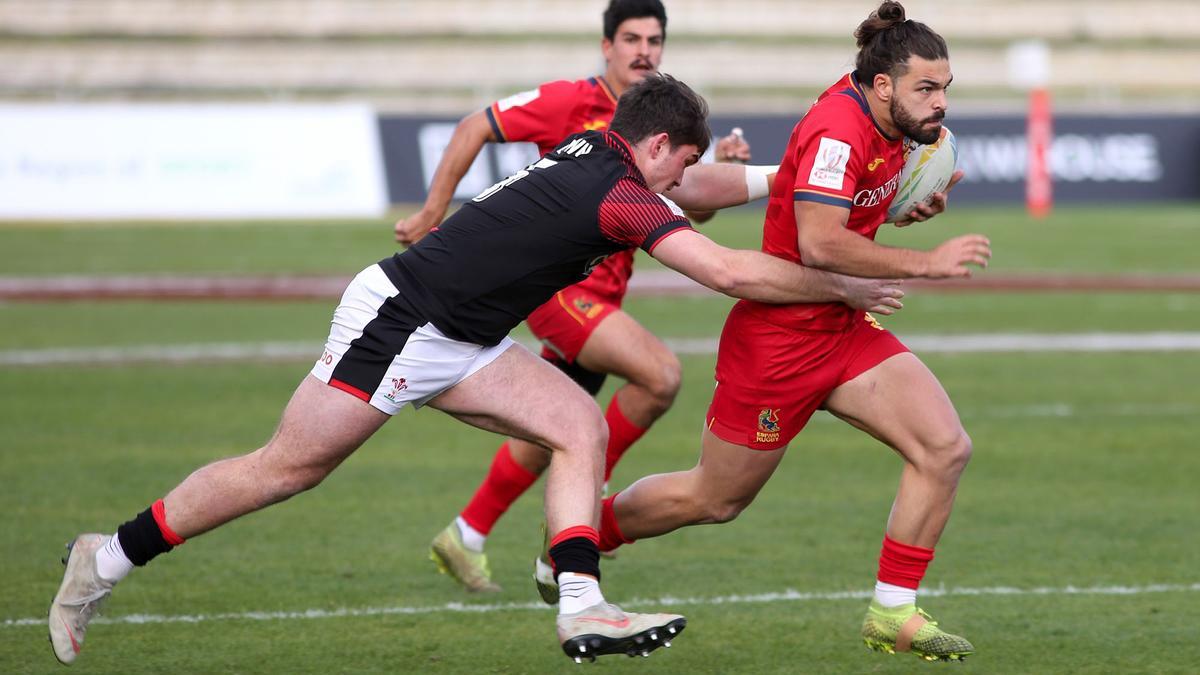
(839, 156)
(546, 116)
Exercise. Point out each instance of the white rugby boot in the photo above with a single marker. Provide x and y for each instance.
(78, 597)
(604, 629)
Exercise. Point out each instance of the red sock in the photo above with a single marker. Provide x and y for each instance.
(621, 434)
(506, 481)
(610, 534)
(903, 564)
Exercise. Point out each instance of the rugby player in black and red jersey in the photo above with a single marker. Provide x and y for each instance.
(582, 328)
(778, 363)
(430, 326)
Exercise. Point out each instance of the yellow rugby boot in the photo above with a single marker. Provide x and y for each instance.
(908, 628)
(467, 567)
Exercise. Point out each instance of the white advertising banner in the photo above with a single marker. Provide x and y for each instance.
(190, 161)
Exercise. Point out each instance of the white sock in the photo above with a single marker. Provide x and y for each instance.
(890, 595)
(111, 563)
(577, 592)
(472, 538)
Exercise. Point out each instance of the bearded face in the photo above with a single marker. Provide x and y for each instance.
(923, 131)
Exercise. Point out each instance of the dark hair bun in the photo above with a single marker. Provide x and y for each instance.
(889, 14)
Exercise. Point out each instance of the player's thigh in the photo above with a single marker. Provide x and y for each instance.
(900, 402)
(729, 472)
(321, 426)
(622, 346)
(521, 395)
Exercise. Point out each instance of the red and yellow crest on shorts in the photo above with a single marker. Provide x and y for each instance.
(768, 426)
(588, 307)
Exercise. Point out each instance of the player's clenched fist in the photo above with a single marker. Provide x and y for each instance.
(410, 230)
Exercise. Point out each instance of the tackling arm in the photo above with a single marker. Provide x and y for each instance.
(708, 187)
(472, 132)
(757, 276)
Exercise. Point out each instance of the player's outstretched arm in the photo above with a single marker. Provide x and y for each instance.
(825, 243)
(708, 187)
(731, 149)
(468, 139)
(757, 276)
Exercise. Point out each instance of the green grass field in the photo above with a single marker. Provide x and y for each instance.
(1083, 480)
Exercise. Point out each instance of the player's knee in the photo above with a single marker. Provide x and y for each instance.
(725, 510)
(590, 436)
(283, 483)
(670, 379)
(950, 453)
(663, 385)
(722, 508)
(281, 480)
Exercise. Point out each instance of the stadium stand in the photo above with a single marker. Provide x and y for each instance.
(444, 56)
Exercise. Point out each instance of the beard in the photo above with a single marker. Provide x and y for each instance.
(914, 128)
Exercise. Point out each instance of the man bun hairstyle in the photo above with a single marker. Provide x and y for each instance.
(662, 103)
(887, 39)
(620, 10)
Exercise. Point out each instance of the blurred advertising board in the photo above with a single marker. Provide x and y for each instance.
(1093, 158)
(112, 161)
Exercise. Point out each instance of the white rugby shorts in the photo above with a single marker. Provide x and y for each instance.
(388, 363)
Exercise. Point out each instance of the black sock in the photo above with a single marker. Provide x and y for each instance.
(577, 554)
(141, 539)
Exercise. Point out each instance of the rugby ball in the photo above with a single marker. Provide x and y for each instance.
(927, 169)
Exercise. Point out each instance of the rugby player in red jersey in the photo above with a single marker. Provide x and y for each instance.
(412, 329)
(582, 328)
(777, 364)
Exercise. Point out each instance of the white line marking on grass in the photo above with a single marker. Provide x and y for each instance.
(287, 351)
(788, 595)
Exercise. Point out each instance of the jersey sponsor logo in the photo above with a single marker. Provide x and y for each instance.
(576, 148)
(594, 125)
(768, 426)
(399, 384)
(877, 195)
(518, 99)
(875, 164)
(829, 167)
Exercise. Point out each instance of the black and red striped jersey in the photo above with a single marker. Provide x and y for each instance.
(514, 246)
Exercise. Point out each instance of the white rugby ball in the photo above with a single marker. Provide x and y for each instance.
(927, 169)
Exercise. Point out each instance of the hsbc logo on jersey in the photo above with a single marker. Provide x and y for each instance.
(829, 166)
(876, 196)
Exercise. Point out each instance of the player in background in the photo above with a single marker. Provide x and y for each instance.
(413, 329)
(777, 364)
(583, 329)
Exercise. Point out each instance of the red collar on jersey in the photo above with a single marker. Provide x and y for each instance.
(622, 146)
